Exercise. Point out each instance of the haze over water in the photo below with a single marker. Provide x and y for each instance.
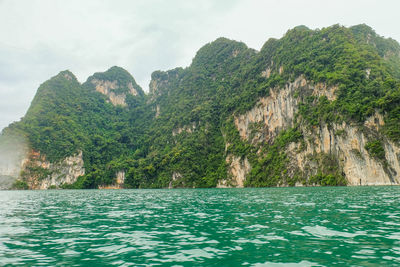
(358, 226)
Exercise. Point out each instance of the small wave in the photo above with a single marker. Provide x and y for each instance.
(322, 231)
(287, 264)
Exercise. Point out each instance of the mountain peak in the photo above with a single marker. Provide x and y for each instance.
(298, 112)
(116, 83)
(220, 50)
(66, 74)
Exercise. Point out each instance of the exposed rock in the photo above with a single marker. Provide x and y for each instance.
(132, 90)
(68, 77)
(375, 122)
(157, 111)
(276, 112)
(187, 128)
(344, 142)
(348, 147)
(156, 87)
(175, 177)
(104, 87)
(108, 88)
(41, 174)
(238, 169)
(117, 99)
(119, 182)
(153, 87)
(266, 73)
(272, 114)
(367, 73)
(321, 89)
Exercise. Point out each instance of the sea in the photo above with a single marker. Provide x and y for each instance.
(305, 226)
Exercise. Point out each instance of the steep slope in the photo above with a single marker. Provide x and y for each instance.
(191, 104)
(388, 49)
(116, 83)
(72, 130)
(316, 107)
(306, 81)
(331, 113)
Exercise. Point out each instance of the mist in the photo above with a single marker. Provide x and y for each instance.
(13, 151)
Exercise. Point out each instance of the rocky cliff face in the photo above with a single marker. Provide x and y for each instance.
(270, 115)
(238, 169)
(277, 111)
(41, 174)
(115, 83)
(109, 88)
(293, 113)
(345, 143)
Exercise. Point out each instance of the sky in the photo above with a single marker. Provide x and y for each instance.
(40, 38)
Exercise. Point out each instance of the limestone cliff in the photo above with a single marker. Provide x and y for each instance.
(238, 169)
(347, 143)
(277, 111)
(115, 83)
(109, 88)
(39, 173)
(315, 107)
(343, 143)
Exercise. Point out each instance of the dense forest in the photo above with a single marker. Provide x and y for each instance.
(185, 124)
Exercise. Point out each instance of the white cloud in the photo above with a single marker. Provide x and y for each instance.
(39, 38)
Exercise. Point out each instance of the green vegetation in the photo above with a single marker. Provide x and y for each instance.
(20, 185)
(123, 80)
(343, 57)
(375, 149)
(328, 172)
(185, 126)
(271, 168)
(35, 171)
(327, 180)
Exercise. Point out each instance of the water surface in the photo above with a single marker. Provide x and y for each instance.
(351, 226)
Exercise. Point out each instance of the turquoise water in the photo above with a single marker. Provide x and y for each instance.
(354, 226)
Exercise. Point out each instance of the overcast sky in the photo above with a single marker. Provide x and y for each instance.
(40, 38)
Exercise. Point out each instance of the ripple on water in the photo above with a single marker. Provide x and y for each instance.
(208, 227)
(287, 264)
(322, 231)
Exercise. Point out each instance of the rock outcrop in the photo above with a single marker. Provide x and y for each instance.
(187, 128)
(116, 84)
(41, 174)
(277, 111)
(175, 177)
(238, 169)
(109, 88)
(346, 143)
(119, 182)
(313, 108)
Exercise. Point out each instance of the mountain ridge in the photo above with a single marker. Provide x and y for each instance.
(216, 122)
